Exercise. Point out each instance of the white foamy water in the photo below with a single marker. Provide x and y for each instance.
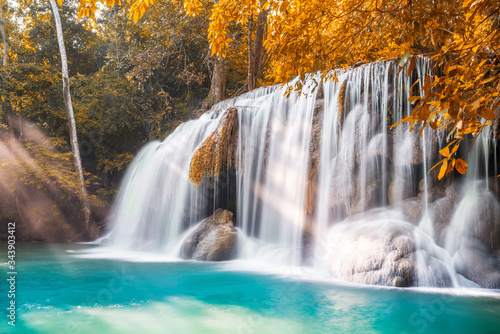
(364, 164)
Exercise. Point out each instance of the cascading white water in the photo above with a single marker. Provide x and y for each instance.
(157, 201)
(473, 232)
(272, 179)
(364, 164)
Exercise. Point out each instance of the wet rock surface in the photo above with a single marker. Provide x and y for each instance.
(215, 239)
(443, 210)
(478, 264)
(412, 210)
(379, 252)
(474, 238)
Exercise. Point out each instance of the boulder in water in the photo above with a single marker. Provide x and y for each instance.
(215, 239)
(378, 252)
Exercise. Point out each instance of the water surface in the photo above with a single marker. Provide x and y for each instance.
(61, 289)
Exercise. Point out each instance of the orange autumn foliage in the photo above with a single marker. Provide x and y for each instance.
(461, 36)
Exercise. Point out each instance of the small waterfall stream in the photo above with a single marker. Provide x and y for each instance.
(157, 202)
(323, 180)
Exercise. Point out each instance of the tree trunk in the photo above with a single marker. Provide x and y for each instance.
(255, 52)
(251, 63)
(258, 48)
(6, 106)
(71, 118)
(218, 83)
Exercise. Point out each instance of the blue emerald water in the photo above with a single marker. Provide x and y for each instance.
(59, 291)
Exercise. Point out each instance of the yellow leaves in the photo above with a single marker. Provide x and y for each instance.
(485, 81)
(413, 99)
(60, 2)
(88, 8)
(305, 36)
(412, 65)
(461, 166)
(214, 51)
(192, 7)
(224, 13)
(449, 164)
(138, 8)
(487, 114)
(445, 151)
(443, 169)
(427, 85)
(462, 98)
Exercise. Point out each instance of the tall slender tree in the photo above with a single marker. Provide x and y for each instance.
(6, 106)
(71, 117)
(217, 91)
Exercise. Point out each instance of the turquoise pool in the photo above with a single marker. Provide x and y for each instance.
(60, 289)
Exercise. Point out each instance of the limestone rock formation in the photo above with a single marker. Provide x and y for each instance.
(378, 252)
(442, 210)
(410, 149)
(215, 239)
(412, 209)
(474, 238)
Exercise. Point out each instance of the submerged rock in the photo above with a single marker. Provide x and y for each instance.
(215, 239)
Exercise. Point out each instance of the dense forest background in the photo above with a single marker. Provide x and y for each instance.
(138, 69)
(130, 84)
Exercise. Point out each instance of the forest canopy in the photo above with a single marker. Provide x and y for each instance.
(461, 37)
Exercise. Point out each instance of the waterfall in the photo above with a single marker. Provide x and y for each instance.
(273, 158)
(157, 201)
(323, 180)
